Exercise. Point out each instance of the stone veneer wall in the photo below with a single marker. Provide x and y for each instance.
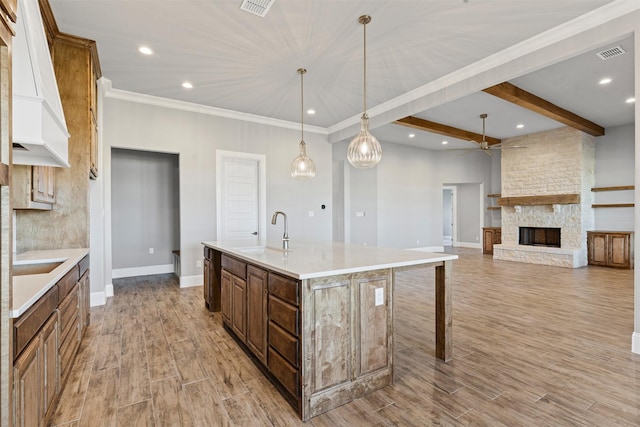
(560, 161)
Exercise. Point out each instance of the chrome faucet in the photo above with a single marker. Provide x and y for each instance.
(285, 236)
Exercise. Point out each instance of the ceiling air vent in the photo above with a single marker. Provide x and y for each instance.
(611, 52)
(257, 7)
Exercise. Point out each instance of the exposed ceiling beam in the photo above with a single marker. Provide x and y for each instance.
(439, 128)
(527, 100)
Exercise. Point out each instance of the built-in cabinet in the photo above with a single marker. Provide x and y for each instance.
(33, 187)
(46, 338)
(211, 269)
(610, 248)
(490, 236)
(75, 61)
(325, 341)
(261, 309)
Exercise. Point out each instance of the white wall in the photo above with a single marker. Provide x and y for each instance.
(615, 167)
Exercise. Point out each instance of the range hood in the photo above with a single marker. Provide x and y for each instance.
(40, 135)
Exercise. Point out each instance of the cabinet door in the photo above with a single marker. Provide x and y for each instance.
(257, 311)
(50, 373)
(497, 237)
(597, 248)
(84, 302)
(487, 242)
(206, 269)
(27, 389)
(618, 250)
(43, 182)
(226, 291)
(239, 308)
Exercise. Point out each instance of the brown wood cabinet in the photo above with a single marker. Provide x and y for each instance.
(77, 69)
(33, 187)
(46, 339)
(610, 249)
(35, 375)
(211, 270)
(257, 312)
(234, 295)
(490, 236)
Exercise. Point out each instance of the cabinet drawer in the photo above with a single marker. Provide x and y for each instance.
(286, 374)
(84, 265)
(285, 315)
(68, 309)
(284, 343)
(234, 266)
(26, 326)
(284, 288)
(68, 350)
(68, 282)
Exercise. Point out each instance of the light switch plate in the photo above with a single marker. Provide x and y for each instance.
(379, 296)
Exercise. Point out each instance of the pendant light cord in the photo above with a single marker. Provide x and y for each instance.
(301, 106)
(365, 68)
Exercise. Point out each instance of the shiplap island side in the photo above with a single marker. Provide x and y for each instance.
(318, 317)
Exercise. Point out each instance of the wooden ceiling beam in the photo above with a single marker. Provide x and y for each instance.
(439, 128)
(527, 100)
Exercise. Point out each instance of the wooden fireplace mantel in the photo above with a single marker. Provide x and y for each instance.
(552, 199)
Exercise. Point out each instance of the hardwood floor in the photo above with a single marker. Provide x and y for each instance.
(533, 346)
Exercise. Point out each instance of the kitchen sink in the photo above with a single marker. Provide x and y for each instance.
(260, 249)
(35, 268)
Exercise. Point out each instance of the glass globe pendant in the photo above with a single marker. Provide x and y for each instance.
(302, 167)
(364, 150)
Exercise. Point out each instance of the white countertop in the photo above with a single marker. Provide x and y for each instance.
(306, 260)
(29, 288)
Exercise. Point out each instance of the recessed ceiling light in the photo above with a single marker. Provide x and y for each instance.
(630, 100)
(311, 111)
(187, 85)
(445, 142)
(605, 81)
(412, 135)
(519, 125)
(145, 50)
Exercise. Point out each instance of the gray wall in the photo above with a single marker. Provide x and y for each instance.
(447, 229)
(468, 213)
(196, 136)
(145, 205)
(407, 189)
(614, 167)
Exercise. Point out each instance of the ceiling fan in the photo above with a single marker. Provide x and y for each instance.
(484, 145)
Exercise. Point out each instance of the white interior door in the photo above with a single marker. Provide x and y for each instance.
(240, 195)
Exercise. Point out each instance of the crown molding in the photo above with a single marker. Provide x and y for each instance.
(158, 101)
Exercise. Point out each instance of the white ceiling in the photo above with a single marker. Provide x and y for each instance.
(241, 62)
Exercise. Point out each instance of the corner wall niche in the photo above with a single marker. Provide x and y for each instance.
(547, 186)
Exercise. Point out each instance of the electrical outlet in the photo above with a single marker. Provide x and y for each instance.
(199, 264)
(151, 250)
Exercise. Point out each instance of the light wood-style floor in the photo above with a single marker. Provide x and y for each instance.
(533, 346)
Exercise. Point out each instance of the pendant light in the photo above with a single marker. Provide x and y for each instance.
(302, 167)
(364, 150)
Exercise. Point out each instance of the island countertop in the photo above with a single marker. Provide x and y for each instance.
(29, 288)
(307, 260)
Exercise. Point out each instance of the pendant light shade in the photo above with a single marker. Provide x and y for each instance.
(364, 150)
(302, 167)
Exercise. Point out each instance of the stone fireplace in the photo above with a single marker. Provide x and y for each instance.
(546, 189)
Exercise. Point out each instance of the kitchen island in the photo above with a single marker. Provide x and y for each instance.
(318, 317)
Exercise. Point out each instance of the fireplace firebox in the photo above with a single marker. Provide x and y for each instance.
(540, 236)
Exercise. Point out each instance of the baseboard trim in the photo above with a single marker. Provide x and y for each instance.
(190, 281)
(635, 342)
(97, 299)
(108, 290)
(468, 245)
(141, 271)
